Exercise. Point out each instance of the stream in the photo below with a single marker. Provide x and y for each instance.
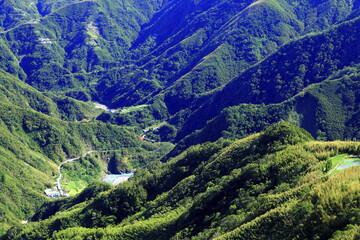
(58, 191)
(115, 179)
(349, 163)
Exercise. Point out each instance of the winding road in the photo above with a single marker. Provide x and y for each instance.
(58, 180)
(337, 165)
(37, 20)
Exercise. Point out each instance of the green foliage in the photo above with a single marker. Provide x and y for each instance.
(280, 77)
(266, 186)
(127, 53)
(50, 208)
(14, 91)
(333, 109)
(189, 61)
(35, 140)
(123, 201)
(186, 69)
(77, 175)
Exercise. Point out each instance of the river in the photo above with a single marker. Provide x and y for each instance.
(349, 163)
(115, 179)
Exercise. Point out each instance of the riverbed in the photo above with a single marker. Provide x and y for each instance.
(115, 179)
(349, 163)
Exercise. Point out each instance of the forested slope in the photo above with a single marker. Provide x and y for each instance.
(309, 60)
(35, 138)
(267, 186)
(14, 91)
(108, 50)
(189, 72)
(328, 110)
(177, 57)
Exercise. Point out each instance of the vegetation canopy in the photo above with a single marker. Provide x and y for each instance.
(239, 119)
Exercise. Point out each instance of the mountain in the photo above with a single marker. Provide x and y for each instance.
(185, 60)
(126, 53)
(59, 45)
(328, 110)
(288, 72)
(217, 40)
(232, 84)
(38, 131)
(276, 184)
(16, 92)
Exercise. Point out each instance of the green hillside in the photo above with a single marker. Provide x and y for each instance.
(16, 92)
(328, 110)
(286, 73)
(260, 97)
(178, 57)
(110, 49)
(38, 131)
(204, 51)
(33, 144)
(267, 186)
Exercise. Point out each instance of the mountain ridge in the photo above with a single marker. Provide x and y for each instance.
(227, 189)
(228, 95)
(220, 79)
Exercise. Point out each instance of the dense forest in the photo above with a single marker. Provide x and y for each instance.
(128, 53)
(239, 118)
(276, 184)
(38, 131)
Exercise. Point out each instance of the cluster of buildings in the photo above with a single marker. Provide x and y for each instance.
(56, 192)
(45, 41)
(144, 138)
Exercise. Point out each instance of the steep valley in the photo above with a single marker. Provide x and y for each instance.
(236, 116)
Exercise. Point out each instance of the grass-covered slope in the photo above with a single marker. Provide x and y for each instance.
(267, 186)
